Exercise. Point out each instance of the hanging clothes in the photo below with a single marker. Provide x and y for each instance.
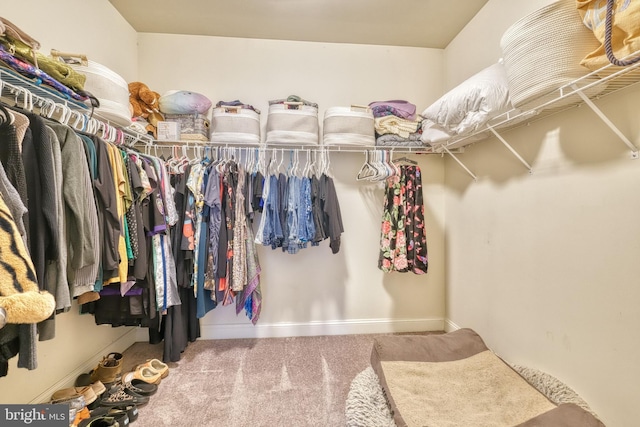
(403, 244)
(299, 210)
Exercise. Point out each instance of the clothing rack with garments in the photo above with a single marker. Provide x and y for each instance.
(95, 215)
(131, 235)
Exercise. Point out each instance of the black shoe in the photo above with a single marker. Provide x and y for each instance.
(99, 422)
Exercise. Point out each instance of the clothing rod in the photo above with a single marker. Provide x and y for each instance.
(315, 148)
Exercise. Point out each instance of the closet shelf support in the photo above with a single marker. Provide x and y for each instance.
(475, 178)
(510, 148)
(605, 119)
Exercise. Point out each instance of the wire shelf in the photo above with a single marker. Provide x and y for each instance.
(608, 80)
(28, 93)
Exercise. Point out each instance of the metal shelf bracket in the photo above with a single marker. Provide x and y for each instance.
(605, 119)
(475, 178)
(510, 148)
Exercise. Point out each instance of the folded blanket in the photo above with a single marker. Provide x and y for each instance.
(393, 140)
(396, 125)
(399, 108)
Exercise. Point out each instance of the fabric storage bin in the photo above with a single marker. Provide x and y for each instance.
(348, 126)
(193, 127)
(542, 52)
(235, 125)
(293, 123)
(105, 84)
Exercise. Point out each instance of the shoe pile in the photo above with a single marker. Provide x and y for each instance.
(107, 398)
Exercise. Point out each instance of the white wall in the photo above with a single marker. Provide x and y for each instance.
(544, 266)
(79, 27)
(315, 292)
(94, 28)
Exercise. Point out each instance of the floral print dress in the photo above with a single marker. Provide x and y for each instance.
(403, 242)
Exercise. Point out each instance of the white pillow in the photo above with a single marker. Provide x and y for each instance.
(432, 133)
(473, 102)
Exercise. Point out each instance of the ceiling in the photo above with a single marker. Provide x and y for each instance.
(418, 23)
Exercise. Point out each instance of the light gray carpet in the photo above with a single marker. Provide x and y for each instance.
(272, 382)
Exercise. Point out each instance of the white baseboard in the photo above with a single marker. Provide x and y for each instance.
(332, 327)
(118, 346)
(449, 326)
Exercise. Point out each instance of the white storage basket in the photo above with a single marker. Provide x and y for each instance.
(292, 123)
(542, 52)
(235, 125)
(105, 84)
(348, 126)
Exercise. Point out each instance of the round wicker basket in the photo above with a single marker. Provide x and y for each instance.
(542, 52)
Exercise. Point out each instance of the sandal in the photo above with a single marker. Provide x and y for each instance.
(131, 410)
(119, 415)
(100, 422)
(157, 366)
(148, 375)
(76, 402)
(71, 392)
(118, 396)
(137, 385)
(98, 388)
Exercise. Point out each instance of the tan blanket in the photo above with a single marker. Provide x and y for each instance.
(455, 380)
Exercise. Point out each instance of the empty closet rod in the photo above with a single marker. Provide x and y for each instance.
(510, 148)
(605, 119)
(475, 178)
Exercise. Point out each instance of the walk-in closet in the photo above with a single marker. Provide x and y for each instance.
(523, 229)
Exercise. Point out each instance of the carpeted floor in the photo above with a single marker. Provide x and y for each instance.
(271, 382)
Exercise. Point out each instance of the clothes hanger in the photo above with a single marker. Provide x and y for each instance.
(172, 161)
(305, 168)
(369, 171)
(6, 116)
(185, 160)
(386, 165)
(47, 108)
(405, 159)
(392, 170)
